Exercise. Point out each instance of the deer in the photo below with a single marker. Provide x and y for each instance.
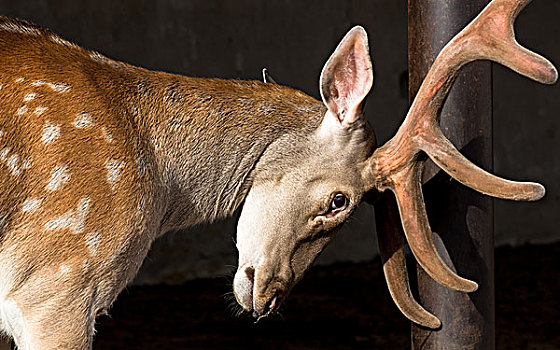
(98, 158)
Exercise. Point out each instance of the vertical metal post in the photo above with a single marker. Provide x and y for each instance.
(461, 219)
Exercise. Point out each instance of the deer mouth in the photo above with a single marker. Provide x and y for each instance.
(246, 291)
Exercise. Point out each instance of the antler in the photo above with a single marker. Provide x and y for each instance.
(396, 166)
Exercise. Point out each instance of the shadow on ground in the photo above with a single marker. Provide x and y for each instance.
(344, 306)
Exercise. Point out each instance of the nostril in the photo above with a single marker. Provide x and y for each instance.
(250, 273)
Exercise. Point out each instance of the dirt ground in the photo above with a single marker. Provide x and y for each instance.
(344, 306)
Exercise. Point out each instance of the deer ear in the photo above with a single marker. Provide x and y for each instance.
(347, 77)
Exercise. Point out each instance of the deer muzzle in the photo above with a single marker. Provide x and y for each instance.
(255, 294)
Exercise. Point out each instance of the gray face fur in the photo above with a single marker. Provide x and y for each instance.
(306, 186)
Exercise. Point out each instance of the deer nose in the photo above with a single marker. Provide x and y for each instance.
(250, 273)
(243, 283)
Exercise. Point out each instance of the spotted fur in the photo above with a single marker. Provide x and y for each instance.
(98, 158)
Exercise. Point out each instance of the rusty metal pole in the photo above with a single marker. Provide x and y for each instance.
(462, 218)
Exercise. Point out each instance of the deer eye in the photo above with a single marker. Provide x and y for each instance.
(338, 202)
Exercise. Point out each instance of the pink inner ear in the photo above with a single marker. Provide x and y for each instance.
(350, 79)
(351, 83)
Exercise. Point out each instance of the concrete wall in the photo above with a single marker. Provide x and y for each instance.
(293, 38)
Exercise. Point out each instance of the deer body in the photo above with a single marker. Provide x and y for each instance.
(98, 158)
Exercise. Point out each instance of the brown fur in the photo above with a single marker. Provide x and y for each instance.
(181, 149)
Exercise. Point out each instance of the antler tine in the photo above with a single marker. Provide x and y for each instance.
(391, 249)
(448, 158)
(408, 192)
(500, 45)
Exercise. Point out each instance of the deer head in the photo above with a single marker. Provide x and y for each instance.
(306, 185)
(302, 199)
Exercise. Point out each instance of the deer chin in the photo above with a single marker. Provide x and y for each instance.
(251, 293)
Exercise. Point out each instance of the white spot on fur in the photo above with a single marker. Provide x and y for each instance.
(60, 222)
(65, 269)
(40, 110)
(59, 87)
(30, 96)
(12, 164)
(10, 161)
(51, 132)
(31, 205)
(21, 110)
(114, 172)
(4, 153)
(1, 133)
(59, 176)
(20, 80)
(92, 242)
(18, 28)
(38, 83)
(83, 120)
(83, 207)
(73, 219)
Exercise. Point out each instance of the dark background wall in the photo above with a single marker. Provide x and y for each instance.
(293, 38)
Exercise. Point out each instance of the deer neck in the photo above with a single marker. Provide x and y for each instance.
(207, 135)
